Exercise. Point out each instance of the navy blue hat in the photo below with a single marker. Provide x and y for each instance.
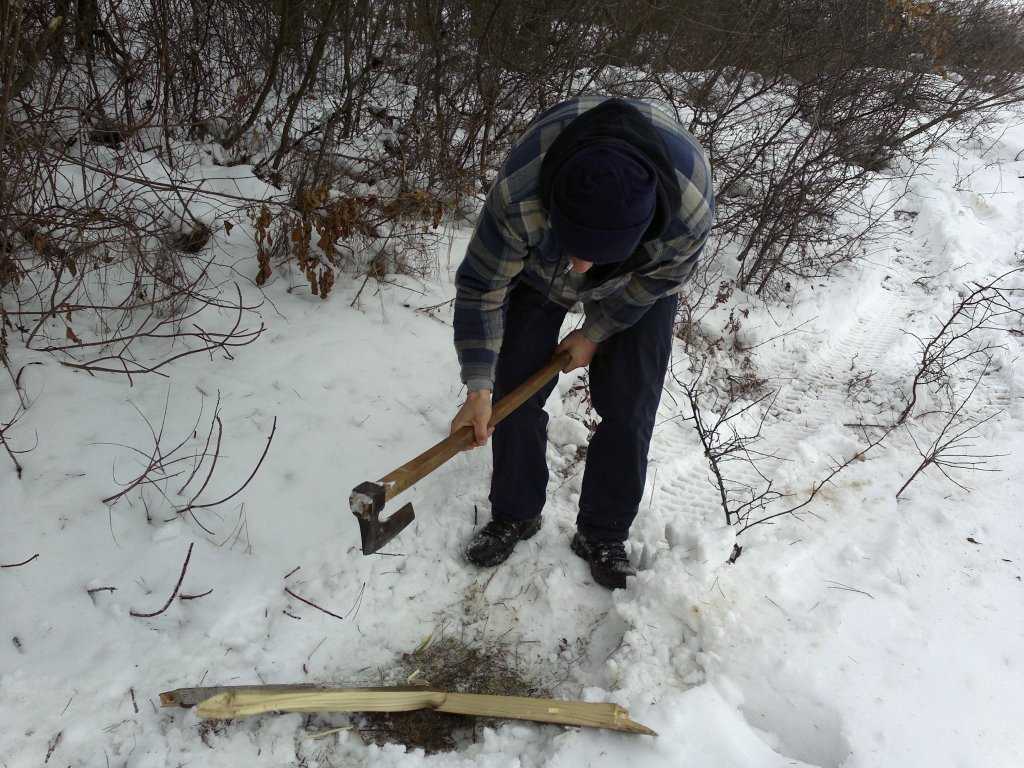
(603, 200)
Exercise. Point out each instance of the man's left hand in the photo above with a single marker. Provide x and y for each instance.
(581, 350)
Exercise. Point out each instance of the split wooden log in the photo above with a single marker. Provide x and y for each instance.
(190, 697)
(244, 701)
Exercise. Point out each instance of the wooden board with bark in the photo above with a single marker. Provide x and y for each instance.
(243, 701)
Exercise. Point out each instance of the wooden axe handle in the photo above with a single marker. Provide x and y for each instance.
(415, 470)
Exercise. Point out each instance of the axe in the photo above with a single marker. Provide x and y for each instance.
(367, 499)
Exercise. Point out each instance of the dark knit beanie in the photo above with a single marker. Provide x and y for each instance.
(603, 199)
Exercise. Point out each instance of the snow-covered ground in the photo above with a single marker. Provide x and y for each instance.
(868, 632)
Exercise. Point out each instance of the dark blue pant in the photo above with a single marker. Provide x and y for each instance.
(626, 378)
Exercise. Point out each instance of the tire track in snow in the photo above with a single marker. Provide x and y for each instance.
(807, 405)
(816, 398)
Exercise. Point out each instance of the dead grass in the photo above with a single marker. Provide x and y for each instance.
(448, 664)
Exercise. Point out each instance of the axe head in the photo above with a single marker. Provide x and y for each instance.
(367, 502)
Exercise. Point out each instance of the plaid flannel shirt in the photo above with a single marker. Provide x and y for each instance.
(513, 241)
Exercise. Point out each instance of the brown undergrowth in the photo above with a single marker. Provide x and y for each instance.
(449, 664)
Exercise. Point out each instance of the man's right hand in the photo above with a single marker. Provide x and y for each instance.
(475, 413)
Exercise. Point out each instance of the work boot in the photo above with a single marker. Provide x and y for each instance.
(608, 562)
(493, 543)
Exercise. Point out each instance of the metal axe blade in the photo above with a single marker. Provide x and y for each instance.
(367, 502)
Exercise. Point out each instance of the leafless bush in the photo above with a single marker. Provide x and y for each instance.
(801, 103)
(100, 256)
(381, 116)
(729, 421)
(729, 426)
(484, 70)
(953, 447)
(991, 306)
(95, 284)
(963, 348)
(163, 463)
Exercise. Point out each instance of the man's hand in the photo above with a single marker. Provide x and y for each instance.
(475, 413)
(581, 350)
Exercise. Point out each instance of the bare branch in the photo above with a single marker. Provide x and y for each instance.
(177, 586)
(207, 505)
(312, 604)
(7, 447)
(18, 565)
(817, 486)
(158, 463)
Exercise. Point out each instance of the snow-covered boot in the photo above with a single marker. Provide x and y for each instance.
(609, 564)
(493, 543)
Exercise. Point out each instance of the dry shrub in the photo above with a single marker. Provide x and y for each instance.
(323, 231)
(380, 117)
